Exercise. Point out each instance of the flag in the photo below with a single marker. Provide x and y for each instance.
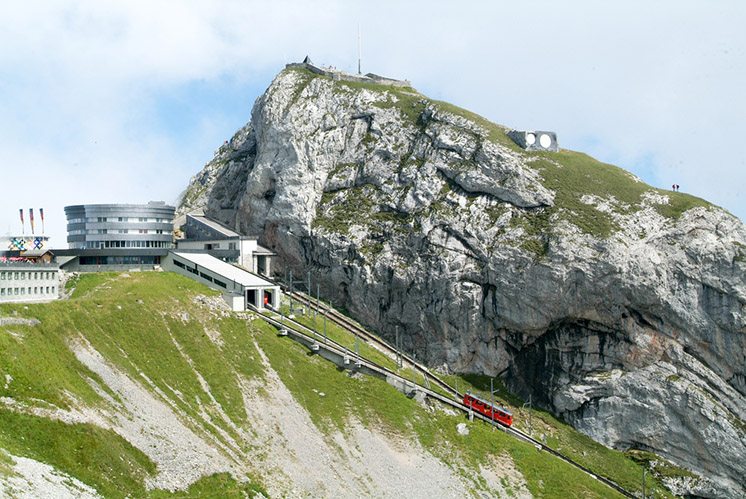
(23, 224)
(41, 214)
(31, 218)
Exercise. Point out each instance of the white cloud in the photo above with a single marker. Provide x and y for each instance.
(652, 87)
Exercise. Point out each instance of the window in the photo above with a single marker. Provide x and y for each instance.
(205, 276)
(142, 219)
(123, 231)
(2, 291)
(47, 292)
(36, 290)
(103, 231)
(231, 246)
(53, 290)
(219, 283)
(102, 219)
(179, 264)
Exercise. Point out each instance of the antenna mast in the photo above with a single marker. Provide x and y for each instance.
(359, 49)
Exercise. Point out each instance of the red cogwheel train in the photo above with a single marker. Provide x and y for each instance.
(494, 412)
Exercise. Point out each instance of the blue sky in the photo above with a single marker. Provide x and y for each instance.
(125, 101)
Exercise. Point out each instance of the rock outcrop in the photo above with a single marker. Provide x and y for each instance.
(619, 307)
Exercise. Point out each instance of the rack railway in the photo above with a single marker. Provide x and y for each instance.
(311, 339)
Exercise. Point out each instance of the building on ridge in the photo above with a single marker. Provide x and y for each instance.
(206, 235)
(117, 236)
(28, 281)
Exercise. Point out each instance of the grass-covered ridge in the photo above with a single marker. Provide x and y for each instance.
(148, 326)
(136, 323)
(579, 181)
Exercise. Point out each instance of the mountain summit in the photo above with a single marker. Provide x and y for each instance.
(615, 305)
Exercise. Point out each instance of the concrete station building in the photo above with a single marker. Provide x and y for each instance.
(203, 234)
(240, 288)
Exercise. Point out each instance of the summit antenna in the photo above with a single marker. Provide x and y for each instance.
(359, 50)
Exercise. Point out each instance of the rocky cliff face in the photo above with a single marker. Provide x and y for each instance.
(620, 307)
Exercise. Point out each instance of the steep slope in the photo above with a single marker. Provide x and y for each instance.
(617, 306)
(142, 385)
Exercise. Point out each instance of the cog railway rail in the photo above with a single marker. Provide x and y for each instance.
(315, 342)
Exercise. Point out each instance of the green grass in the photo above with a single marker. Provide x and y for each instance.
(376, 404)
(134, 322)
(100, 458)
(138, 324)
(606, 462)
(571, 175)
(340, 210)
(347, 340)
(217, 486)
(660, 467)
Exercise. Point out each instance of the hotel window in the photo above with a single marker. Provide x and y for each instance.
(53, 290)
(124, 231)
(2, 291)
(47, 289)
(102, 219)
(36, 290)
(2, 276)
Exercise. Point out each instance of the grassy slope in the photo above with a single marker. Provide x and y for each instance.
(607, 462)
(138, 337)
(131, 321)
(570, 174)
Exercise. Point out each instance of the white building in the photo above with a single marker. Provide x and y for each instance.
(240, 288)
(28, 282)
(206, 235)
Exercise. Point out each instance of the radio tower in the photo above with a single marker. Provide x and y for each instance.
(359, 49)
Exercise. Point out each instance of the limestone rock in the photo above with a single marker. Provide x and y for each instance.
(619, 307)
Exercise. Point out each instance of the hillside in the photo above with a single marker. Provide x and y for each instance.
(619, 307)
(143, 385)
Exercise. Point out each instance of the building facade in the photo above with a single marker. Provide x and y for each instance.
(118, 236)
(28, 282)
(241, 289)
(206, 235)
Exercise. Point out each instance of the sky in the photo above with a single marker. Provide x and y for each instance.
(122, 102)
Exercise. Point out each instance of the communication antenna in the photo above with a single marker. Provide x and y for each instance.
(359, 50)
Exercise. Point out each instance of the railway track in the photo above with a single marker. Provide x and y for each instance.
(353, 328)
(311, 338)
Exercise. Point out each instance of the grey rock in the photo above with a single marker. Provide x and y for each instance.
(411, 214)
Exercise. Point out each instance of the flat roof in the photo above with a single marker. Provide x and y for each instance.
(261, 250)
(236, 274)
(214, 224)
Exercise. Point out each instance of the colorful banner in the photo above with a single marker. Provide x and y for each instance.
(27, 243)
(31, 219)
(23, 224)
(41, 214)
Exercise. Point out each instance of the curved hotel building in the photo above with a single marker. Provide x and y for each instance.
(120, 234)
